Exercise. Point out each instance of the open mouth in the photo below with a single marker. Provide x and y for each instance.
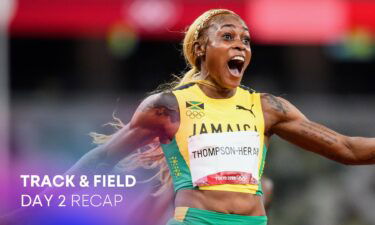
(235, 65)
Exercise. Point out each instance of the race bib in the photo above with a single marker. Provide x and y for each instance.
(224, 158)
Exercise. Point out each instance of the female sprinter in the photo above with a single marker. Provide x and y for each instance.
(214, 132)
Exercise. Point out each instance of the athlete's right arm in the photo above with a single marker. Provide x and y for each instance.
(156, 117)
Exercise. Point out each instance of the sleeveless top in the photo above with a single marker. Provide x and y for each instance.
(219, 144)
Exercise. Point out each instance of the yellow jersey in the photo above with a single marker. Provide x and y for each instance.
(219, 144)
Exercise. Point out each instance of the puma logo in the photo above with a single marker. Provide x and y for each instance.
(243, 108)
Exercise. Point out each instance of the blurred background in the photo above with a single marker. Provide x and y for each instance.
(67, 65)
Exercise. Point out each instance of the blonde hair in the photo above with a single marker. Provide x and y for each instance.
(152, 156)
(192, 36)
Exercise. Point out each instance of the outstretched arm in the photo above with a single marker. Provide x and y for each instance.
(156, 117)
(285, 120)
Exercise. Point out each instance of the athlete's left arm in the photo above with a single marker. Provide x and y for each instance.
(285, 120)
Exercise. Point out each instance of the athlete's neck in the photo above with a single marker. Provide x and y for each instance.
(214, 90)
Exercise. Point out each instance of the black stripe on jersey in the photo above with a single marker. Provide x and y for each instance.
(183, 86)
(247, 89)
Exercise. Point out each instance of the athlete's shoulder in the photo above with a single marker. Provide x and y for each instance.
(248, 89)
(279, 108)
(162, 100)
(158, 112)
(184, 86)
(274, 103)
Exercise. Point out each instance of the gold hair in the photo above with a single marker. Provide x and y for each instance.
(151, 156)
(192, 36)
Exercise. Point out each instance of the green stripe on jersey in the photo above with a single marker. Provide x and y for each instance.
(178, 168)
(261, 168)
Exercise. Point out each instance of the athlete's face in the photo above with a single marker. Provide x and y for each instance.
(227, 51)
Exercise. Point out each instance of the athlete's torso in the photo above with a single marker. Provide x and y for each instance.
(218, 150)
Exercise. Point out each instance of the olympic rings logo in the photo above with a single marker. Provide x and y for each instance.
(194, 114)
